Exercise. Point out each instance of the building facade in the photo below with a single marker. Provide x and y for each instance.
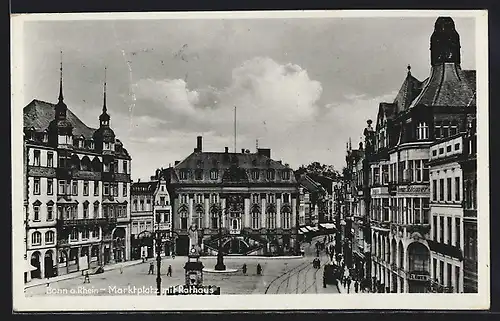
(396, 168)
(151, 211)
(78, 191)
(252, 198)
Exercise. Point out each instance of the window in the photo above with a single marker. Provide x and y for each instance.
(286, 175)
(124, 190)
(434, 152)
(286, 220)
(441, 151)
(434, 267)
(448, 281)
(271, 220)
(85, 188)
(453, 129)
(435, 228)
(457, 232)
(457, 189)
(441, 229)
(166, 216)
(422, 131)
(36, 186)
(416, 211)
(286, 198)
(418, 170)
(437, 130)
(450, 230)
(376, 176)
(50, 159)
(36, 158)
(255, 174)
(36, 238)
(183, 174)
(50, 212)
(85, 234)
(385, 174)
(115, 189)
(74, 189)
(425, 176)
(448, 148)
(470, 246)
(184, 223)
(457, 146)
(96, 188)
(36, 212)
(184, 198)
(85, 210)
(255, 198)
(162, 200)
(142, 204)
(270, 174)
(425, 210)
(448, 189)
(148, 203)
(49, 237)
(105, 186)
(125, 167)
(255, 219)
(73, 235)
(96, 210)
(95, 233)
(441, 272)
(50, 186)
(271, 198)
(441, 189)
(457, 279)
(214, 174)
(434, 190)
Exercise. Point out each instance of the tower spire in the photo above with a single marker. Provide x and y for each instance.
(104, 108)
(61, 80)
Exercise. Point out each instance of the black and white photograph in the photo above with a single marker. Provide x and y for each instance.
(250, 160)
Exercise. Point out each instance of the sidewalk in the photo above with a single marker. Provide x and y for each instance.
(73, 275)
(343, 289)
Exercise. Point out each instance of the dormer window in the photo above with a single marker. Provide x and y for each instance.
(183, 174)
(45, 137)
(255, 174)
(270, 174)
(214, 174)
(107, 146)
(422, 131)
(286, 174)
(91, 144)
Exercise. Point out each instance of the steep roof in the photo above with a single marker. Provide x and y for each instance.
(324, 181)
(227, 165)
(448, 85)
(309, 184)
(410, 88)
(39, 114)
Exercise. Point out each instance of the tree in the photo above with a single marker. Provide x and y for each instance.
(318, 169)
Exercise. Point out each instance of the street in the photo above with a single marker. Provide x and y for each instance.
(279, 276)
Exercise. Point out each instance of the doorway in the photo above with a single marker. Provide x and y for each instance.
(49, 264)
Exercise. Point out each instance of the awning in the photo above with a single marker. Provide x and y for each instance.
(28, 267)
(300, 232)
(303, 230)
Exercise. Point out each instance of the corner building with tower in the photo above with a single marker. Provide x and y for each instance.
(416, 150)
(77, 191)
(251, 197)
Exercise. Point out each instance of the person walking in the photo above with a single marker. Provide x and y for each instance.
(169, 271)
(356, 286)
(151, 268)
(87, 278)
(348, 281)
(244, 269)
(259, 269)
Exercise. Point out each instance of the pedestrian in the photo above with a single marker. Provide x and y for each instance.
(356, 286)
(169, 271)
(348, 283)
(244, 269)
(121, 269)
(87, 278)
(173, 255)
(259, 269)
(151, 268)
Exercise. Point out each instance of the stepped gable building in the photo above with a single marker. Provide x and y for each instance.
(78, 181)
(255, 196)
(398, 152)
(151, 210)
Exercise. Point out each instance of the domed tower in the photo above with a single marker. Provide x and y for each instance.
(104, 137)
(445, 42)
(60, 128)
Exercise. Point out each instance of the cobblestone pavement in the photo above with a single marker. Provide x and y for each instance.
(292, 275)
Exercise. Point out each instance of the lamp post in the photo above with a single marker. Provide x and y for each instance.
(220, 259)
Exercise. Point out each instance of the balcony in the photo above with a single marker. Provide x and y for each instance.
(71, 222)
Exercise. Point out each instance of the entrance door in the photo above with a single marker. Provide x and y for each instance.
(49, 264)
(35, 261)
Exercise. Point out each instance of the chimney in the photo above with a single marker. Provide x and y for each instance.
(176, 163)
(138, 180)
(226, 149)
(199, 143)
(264, 152)
(153, 178)
(243, 151)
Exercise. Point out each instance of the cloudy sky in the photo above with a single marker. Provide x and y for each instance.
(302, 86)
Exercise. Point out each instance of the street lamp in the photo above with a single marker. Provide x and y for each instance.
(220, 259)
(158, 262)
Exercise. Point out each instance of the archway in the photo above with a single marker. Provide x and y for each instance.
(94, 256)
(35, 261)
(62, 262)
(119, 244)
(86, 164)
(49, 264)
(73, 260)
(419, 258)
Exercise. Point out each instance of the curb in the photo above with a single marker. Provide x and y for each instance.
(75, 275)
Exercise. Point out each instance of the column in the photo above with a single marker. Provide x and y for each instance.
(405, 268)
(207, 212)
(42, 265)
(446, 230)
(223, 201)
(263, 213)
(444, 281)
(246, 214)
(278, 212)
(453, 278)
(190, 213)
(293, 223)
(127, 243)
(438, 229)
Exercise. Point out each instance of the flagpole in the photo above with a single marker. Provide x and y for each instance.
(235, 129)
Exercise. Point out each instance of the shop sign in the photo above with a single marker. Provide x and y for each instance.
(413, 189)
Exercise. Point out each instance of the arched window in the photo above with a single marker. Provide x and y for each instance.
(255, 217)
(75, 162)
(96, 165)
(270, 174)
(49, 237)
(36, 238)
